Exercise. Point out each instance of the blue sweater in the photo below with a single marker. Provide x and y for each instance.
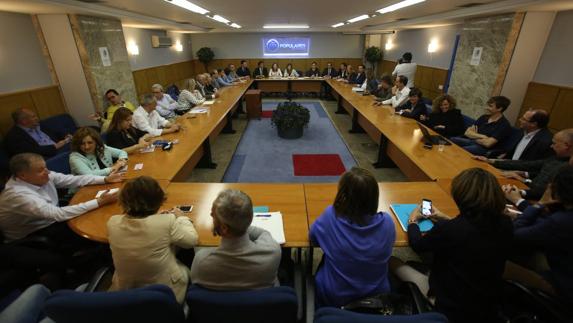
(355, 262)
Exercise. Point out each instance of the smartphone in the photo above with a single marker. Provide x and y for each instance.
(186, 208)
(426, 208)
(427, 146)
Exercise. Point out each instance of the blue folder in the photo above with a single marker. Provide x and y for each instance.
(402, 212)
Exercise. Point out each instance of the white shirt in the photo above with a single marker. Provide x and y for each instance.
(523, 143)
(148, 122)
(408, 70)
(278, 73)
(166, 106)
(399, 98)
(26, 208)
(293, 73)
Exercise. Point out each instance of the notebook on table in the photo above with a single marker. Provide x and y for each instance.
(432, 139)
(272, 222)
(403, 211)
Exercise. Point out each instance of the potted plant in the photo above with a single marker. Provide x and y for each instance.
(373, 55)
(205, 55)
(290, 118)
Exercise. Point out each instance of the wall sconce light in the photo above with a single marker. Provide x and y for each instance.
(132, 48)
(389, 45)
(433, 46)
(178, 46)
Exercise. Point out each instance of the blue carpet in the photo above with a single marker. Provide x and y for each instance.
(264, 157)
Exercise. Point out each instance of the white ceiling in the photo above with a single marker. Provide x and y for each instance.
(253, 14)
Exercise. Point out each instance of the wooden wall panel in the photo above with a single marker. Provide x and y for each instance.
(561, 116)
(556, 100)
(164, 75)
(45, 101)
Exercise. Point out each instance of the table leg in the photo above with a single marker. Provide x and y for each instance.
(356, 128)
(228, 129)
(207, 160)
(383, 160)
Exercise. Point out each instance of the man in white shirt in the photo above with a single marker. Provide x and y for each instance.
(29, 201)
(166, 106)
(401, 94)
(406, 68)
(146, 118)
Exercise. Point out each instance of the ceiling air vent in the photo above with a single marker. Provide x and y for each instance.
(161, 41)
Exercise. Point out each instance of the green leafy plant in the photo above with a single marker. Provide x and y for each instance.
(290, 114)
(205, 55)
(373, 55)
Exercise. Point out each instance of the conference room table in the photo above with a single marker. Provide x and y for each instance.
(400, 139)
(286, 198)
(290, 84)
(194, 139)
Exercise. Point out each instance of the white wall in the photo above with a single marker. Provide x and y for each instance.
(416, 42)
(22, 64)
(556, 65)
(64, 53)
(151, 57)
(528, 49)
(249, 45)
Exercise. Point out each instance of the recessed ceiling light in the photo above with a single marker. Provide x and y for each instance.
(399, 5)
(188, 5)
(338, 25)
(355, 19)
(285, 26)
(234, 25)
(221, 19)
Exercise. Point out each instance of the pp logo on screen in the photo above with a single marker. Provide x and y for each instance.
(272, 45)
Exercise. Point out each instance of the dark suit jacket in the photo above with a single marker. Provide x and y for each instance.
(358, 78)
(209, 95)
(256, 72)
(342, 74)
(538, 148)
(19, 141)
(245, 72)
(417, 111)
(311, 73)
(333, 72)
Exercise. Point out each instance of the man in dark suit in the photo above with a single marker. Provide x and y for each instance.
(342, 72)
(536, 140)
(329, 71)
(27, 137)
(313, 71)
(359, 77)
(243, 70)
(261, 71)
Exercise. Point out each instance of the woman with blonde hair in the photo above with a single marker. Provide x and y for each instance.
(189, 97)
(90, 156)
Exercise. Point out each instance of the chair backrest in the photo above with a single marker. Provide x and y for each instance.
(277, 305)
(173, 91)
(335, 315)
(512, 140)
(468, 121)
(59, 163)
(154, 303)
(61, 124)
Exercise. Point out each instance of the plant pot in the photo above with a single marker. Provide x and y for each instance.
(290, 133)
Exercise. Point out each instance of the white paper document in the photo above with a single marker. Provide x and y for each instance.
(111, 191)
(138, 166)
(148, 149)
(208, 102)
(198, 110)
(272, 222)
(357, 89)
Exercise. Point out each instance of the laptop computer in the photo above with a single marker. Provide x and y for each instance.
(432, 139)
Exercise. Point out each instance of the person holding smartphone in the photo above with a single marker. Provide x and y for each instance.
(469, 250)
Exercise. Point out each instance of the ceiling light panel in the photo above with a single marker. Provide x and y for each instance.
(188, 5)
(355, 19)
(399, 5)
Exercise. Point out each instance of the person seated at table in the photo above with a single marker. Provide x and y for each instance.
(247, 257)
(166, 106)
(414, 108)
(202, 85)
(261, 71)
(400, 92)
(384, 90)
(314, 71)
(445, 119)
(537, 173)
(275, 71)
(209, 87)
(143, 241)
(342, 72)
(213, 76)
(29, 203)
(350, 75)
(90, 156)
(146, 119)
(546, 227)
(115, 102)
(329, 71)
(370, 83)
(27, 136)
(232, 73)
(243, 70)
(489, 131)
(189, 97)
(122, 135)
(290, 72)
(358, 77)
(357, 242)
(469, 251)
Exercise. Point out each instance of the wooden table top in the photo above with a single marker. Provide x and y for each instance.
(166, 164)
(294, 79)
(319, 196)
(286, 198)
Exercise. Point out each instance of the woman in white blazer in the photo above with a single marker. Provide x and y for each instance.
(90, 156)
(275, 71)
(290, 72)
(143, 241)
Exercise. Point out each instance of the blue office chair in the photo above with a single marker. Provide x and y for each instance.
(335, 315)
(59, 163)
(468, 121)
(150, 304)
(507, 145)
(60, 125)
(276, 304)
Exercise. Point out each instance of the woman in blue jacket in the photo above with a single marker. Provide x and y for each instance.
(90, 155)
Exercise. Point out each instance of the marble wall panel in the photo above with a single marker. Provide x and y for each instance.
(472, 85)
